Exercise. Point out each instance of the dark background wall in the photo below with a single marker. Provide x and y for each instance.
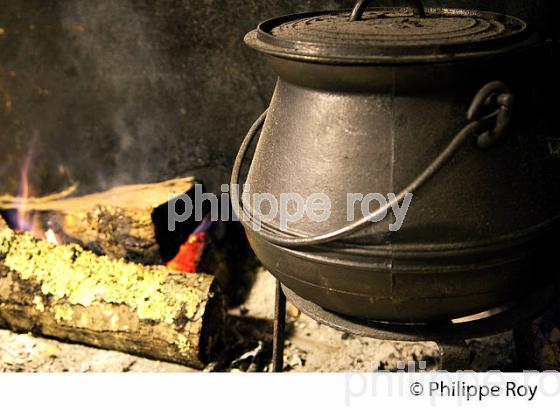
(117, 91)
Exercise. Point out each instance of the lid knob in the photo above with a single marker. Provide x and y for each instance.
(361, 5)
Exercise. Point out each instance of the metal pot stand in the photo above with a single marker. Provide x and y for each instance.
(450, 336)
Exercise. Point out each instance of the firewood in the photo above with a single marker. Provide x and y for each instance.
(68, 293)
(130, 222)
(8, 201)
(3, 225)
(118, 223)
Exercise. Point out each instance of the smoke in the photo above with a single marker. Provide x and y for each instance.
(139, 90)
(133, 83)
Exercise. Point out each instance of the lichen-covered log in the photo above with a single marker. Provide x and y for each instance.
(3, 225)
(119, 223)
(72, 294)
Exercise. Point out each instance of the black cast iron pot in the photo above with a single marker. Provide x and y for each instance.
(446, 104)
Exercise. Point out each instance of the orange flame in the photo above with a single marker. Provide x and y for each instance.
(190, 253)
(24, 220)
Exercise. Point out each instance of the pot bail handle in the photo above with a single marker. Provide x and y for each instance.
(488, 118)
(361, 5)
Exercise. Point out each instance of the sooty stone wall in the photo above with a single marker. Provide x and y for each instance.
(106, 92)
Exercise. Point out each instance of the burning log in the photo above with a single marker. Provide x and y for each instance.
(9, 200)
(65, 292)
(119, 223)
(130, 222)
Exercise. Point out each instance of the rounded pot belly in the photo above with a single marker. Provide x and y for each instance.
(411, 286)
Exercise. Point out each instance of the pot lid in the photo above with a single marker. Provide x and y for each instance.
(390, 35)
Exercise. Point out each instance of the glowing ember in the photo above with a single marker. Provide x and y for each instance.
(190, 252)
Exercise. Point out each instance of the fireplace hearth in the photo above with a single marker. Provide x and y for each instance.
(429, 127)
